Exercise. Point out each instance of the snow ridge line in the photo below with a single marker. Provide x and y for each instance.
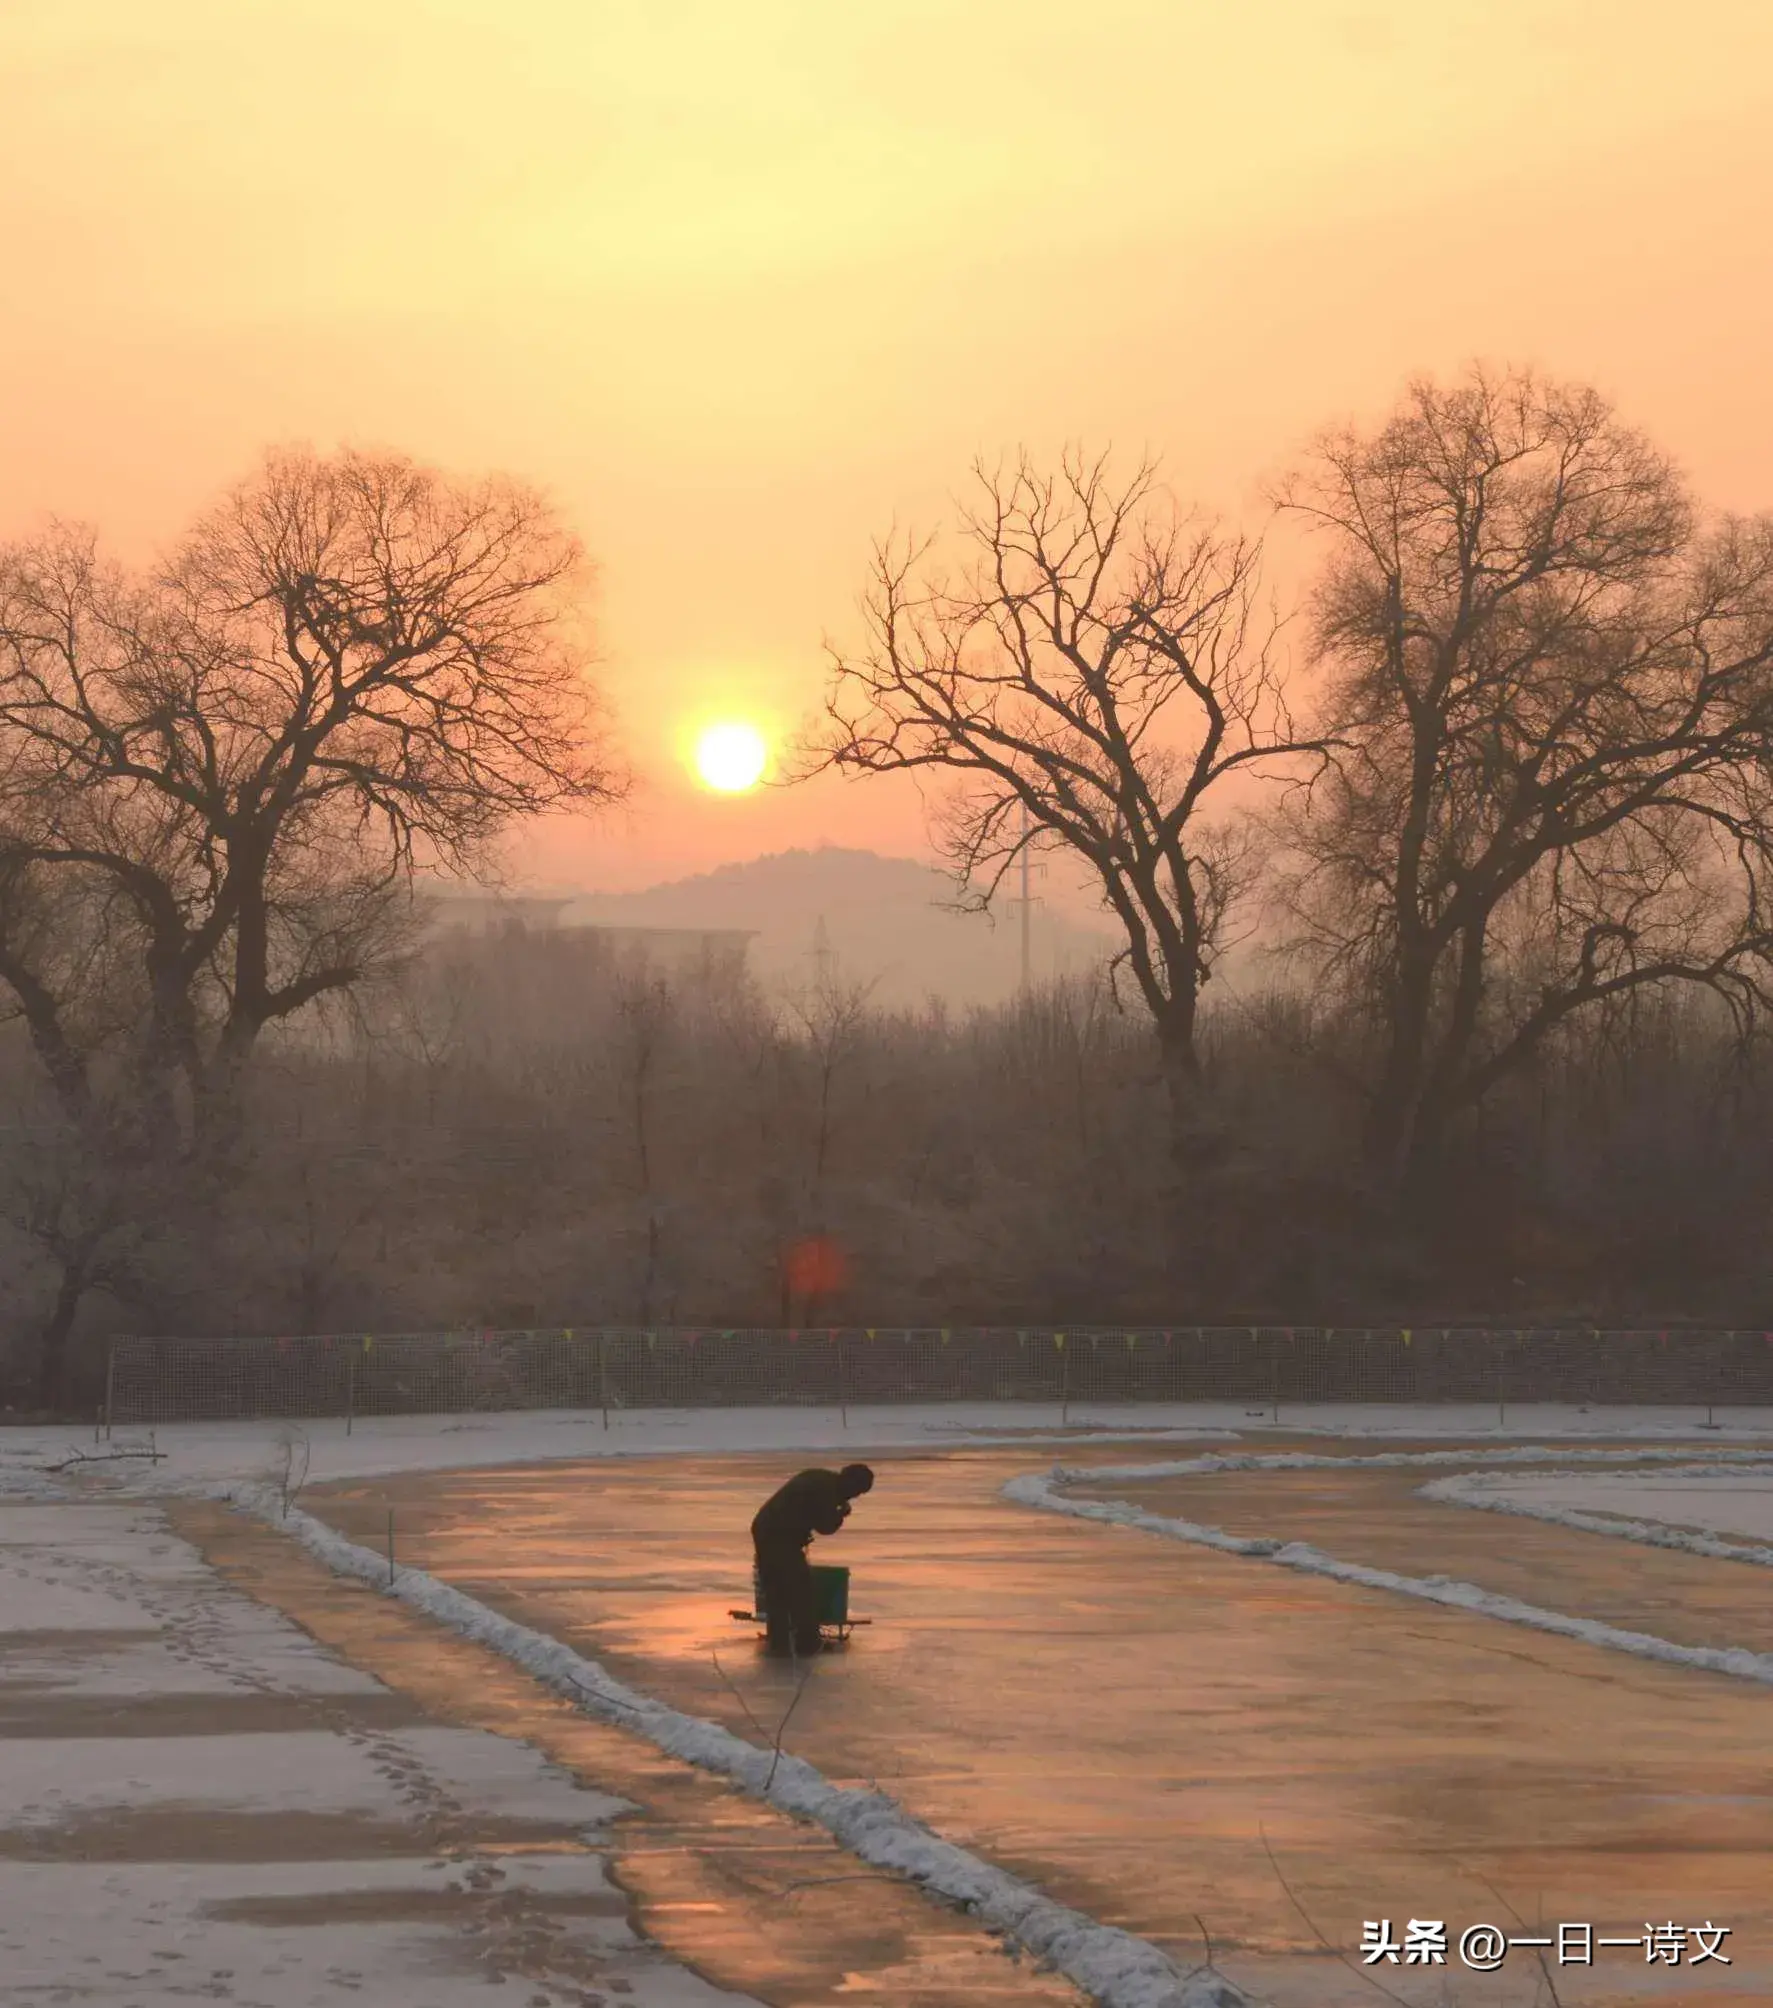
(1045, 1491)
(1472, 1492)
(1312, 1460)
(1112, 1966)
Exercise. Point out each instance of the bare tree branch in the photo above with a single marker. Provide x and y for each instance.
(1088, 679)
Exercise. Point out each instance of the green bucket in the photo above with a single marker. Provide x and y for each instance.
(832, 1588)
(831, 1596)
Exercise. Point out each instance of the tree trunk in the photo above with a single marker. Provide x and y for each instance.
(1194, 1135)
(310, 1297)
(649, 1282)
(52, 1350)
(218, 1129)
(1394, 1114)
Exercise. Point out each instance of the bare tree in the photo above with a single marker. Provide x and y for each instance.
(78, 1188)
(353, 669)
(645, 1022)
(423, 1020)
(1093, 673)
(645, 1019)
(831, 1017)
(1551, 691)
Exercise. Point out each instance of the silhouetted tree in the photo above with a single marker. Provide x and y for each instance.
(1089, 677)
(1551, 692)
(352, 669)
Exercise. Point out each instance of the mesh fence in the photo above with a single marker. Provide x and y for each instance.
(182, 1379)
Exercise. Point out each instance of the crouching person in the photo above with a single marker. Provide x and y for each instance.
(814, 1502)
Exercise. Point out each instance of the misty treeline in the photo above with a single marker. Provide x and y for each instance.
(1491, 794)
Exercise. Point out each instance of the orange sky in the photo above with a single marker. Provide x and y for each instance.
(744, 283)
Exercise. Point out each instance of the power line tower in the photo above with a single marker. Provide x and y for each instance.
(824, 955)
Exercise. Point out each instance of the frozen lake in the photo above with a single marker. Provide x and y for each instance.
(1172, 1739)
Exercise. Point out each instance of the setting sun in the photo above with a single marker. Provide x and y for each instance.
(730, 758)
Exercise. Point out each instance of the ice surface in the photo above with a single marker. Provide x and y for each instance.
(1052, 1492)
(1118, 1969)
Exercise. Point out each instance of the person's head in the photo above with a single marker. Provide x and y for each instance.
(855, 1479)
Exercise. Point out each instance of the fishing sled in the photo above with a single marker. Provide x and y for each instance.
(832, 1588)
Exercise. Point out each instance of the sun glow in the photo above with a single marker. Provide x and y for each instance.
(731, 758)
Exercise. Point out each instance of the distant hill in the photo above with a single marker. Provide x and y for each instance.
(884, 922)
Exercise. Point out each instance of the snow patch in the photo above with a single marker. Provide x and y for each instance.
(48, 1780)
(161, 1932)
(248, 1452)
(1558, 1496)
(1307, 1460)
(397, 1922)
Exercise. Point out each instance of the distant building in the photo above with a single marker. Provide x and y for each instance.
(493, 913)
(470, 917)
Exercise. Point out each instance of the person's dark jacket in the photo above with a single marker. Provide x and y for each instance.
(810, 1503)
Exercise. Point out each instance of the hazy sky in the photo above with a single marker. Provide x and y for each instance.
(743, 284)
